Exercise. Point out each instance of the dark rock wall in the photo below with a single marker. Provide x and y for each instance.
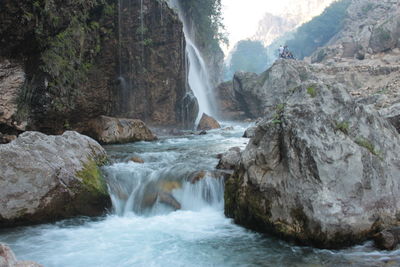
(80, 64)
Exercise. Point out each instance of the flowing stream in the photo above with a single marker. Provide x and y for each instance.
(145, 230)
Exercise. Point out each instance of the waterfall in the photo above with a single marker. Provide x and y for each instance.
(151, 189)
(197, 71)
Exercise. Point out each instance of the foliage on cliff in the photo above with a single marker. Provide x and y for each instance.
(320, 30)
(206, 15)
(58, 42)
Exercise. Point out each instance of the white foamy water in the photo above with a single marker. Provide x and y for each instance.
(196, 235)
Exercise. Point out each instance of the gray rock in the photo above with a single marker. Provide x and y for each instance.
(259, 94)
(109, 130)
(322, 170)
(250, 132)
(8, 259)
(12, 78)
(393, 115)
(388, 239)
(229, 159)
(44, 178)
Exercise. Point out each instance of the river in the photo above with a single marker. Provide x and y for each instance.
(138, 233)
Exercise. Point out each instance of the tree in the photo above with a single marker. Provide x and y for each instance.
(248, 56)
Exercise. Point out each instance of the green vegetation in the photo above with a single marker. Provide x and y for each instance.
(343, 126)
(312, 91)
(364, 142)
(318, 31)
(248, 56)
(92, 178)
(206, 17)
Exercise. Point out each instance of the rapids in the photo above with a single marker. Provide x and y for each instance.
(196, 235)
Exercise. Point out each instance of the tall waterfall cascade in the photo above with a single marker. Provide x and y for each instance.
(197, 71)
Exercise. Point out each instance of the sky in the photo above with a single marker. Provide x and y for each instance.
(241, 17)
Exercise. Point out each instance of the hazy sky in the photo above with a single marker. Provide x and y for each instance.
(241, 17)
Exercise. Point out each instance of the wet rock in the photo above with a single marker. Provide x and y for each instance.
(388, 239)
(230, 159)
(6, 138)
(169, 199)
(200, 175)
(109, 130)
(197, 176)
(137, 160)
(322, 170)
(204, 132)
(168, 186)
(45, 178)
(250, 132)
(207, 123)
(8, 259)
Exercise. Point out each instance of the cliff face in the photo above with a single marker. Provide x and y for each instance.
(81, 59)
(291, 15)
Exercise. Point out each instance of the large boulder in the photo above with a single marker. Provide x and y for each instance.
(109, 130)
(44, 178)
(8, 259)
(258, 94)
(207, 123)
(229, 107)
(321, 170)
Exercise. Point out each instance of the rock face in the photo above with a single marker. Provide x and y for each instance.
(229, 108)
(8, 259)
(44, 178)
(388, 239)
(257, 94)
(393, 115)
(371, 27)
(85, 60)
(321, 169)
(230, 159)
(108, 130)
(207, 123)
(12, 78)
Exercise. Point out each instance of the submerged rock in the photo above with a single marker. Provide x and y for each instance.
(137, 160)
(45, 178)
(207, 123)
(109, 130)
(8, 259)
(321, 169)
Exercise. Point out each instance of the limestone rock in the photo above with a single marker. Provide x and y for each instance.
(207, 123)
(12, 78)
(393, 115)
(109, 130)
(8, 259)
(250, 132)
(229, 107)
(388, 239)
(44, 178)
(258, 94)
(230, 159)
(322, 170)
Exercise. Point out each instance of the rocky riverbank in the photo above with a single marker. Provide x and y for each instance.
(45, 178)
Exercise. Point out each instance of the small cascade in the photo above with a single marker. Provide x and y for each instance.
(197, 73)
(144, 189)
